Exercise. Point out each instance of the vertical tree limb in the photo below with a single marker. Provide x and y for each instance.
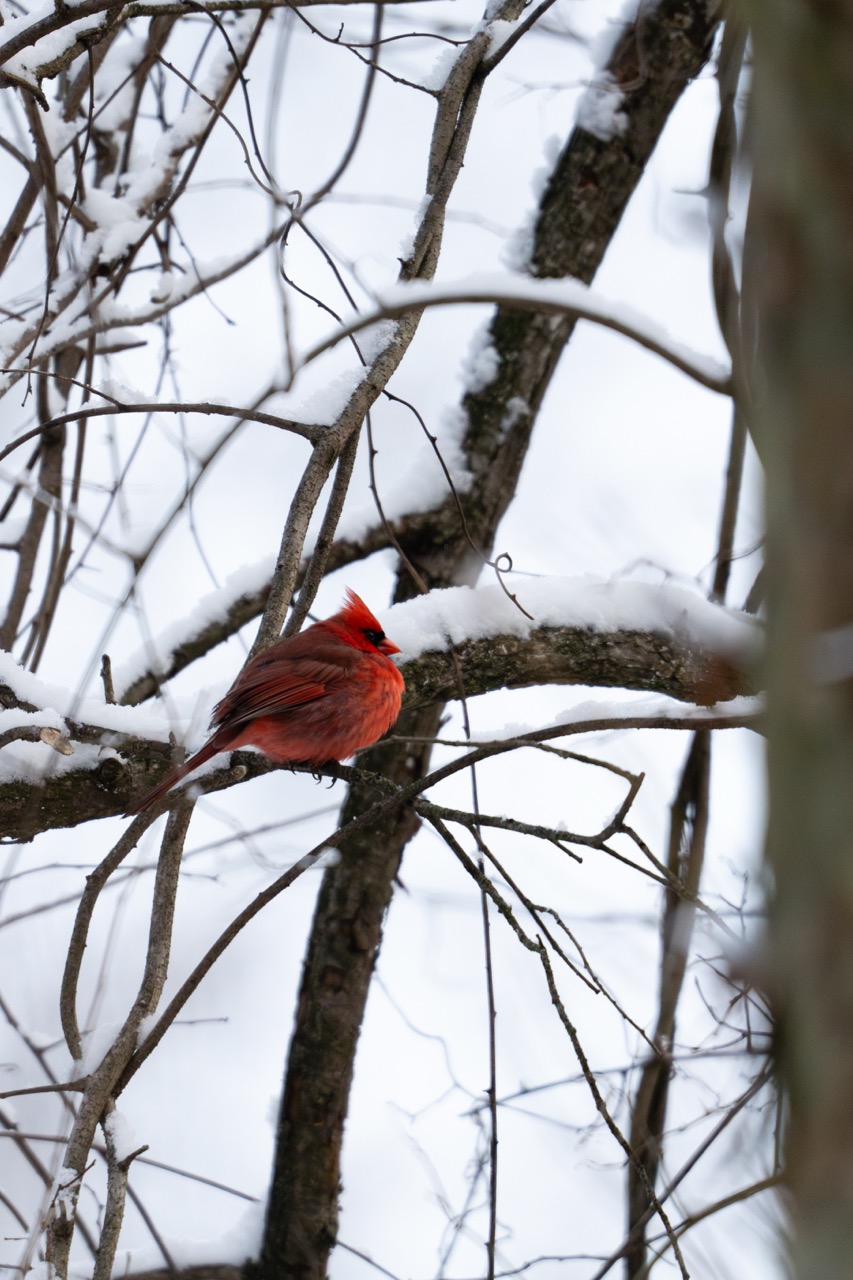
(800, 259)
(687, 836)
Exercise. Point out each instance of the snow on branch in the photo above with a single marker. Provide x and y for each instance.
(101, 314)
(53, 34)
(550, 297)
(627, 635)
(215, 617)
(589, 631)
(458, 615)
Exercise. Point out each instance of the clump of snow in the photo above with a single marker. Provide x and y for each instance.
(124, 1140)
(481, 362)
(34, 761)
(26, 65)
(60, 133)
(112, 389)
(163, 287)
(241, 1241)
(116, 88)
(184, 130)
(601, 109)
(146, 1025)
(190, 123)
(14, 718)
(499, 32)
(516, 407)
(407, 243)
(322, 406)
(650, 706)
(593, 712)
(96, 1045)
(375, 339)
(118, 223)
(419, 487)
(436, 78)
(518, 250)
(29, 688)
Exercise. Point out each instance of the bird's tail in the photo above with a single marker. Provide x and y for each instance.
(156, 793)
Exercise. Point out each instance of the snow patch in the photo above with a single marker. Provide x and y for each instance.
(211, 608)
(518, 250)
(125, 1142)
(242, 1241)
(601, 109)
(458, 614)
(436, 78)
(568, 296)
(482, 362)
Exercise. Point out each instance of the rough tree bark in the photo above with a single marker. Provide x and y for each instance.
(800, 261)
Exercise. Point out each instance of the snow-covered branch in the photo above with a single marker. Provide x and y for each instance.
(549, 297)
(627, 635)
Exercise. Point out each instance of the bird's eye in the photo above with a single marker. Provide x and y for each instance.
(375, 637)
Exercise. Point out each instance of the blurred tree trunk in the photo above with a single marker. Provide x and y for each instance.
(799, 273)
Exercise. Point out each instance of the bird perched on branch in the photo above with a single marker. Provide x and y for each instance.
(312, 698)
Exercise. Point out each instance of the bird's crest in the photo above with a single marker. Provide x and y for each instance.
(356, 614)
(359, 628)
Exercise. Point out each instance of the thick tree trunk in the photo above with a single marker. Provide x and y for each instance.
(800, 259)
(303, 1206)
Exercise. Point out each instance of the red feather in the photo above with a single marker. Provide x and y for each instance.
(318, 696)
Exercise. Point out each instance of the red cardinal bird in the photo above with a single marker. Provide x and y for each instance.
(314, 697)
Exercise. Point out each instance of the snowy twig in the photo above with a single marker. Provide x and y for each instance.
(655, 1202)
(118, 1165)
(567, 298)
(454, 120)
(101, 1083)
(318, 561)
(755, 1086)
(306, 430)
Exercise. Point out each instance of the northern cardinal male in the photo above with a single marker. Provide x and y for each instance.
(314, 697)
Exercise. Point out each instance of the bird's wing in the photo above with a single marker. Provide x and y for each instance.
(267, 687)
